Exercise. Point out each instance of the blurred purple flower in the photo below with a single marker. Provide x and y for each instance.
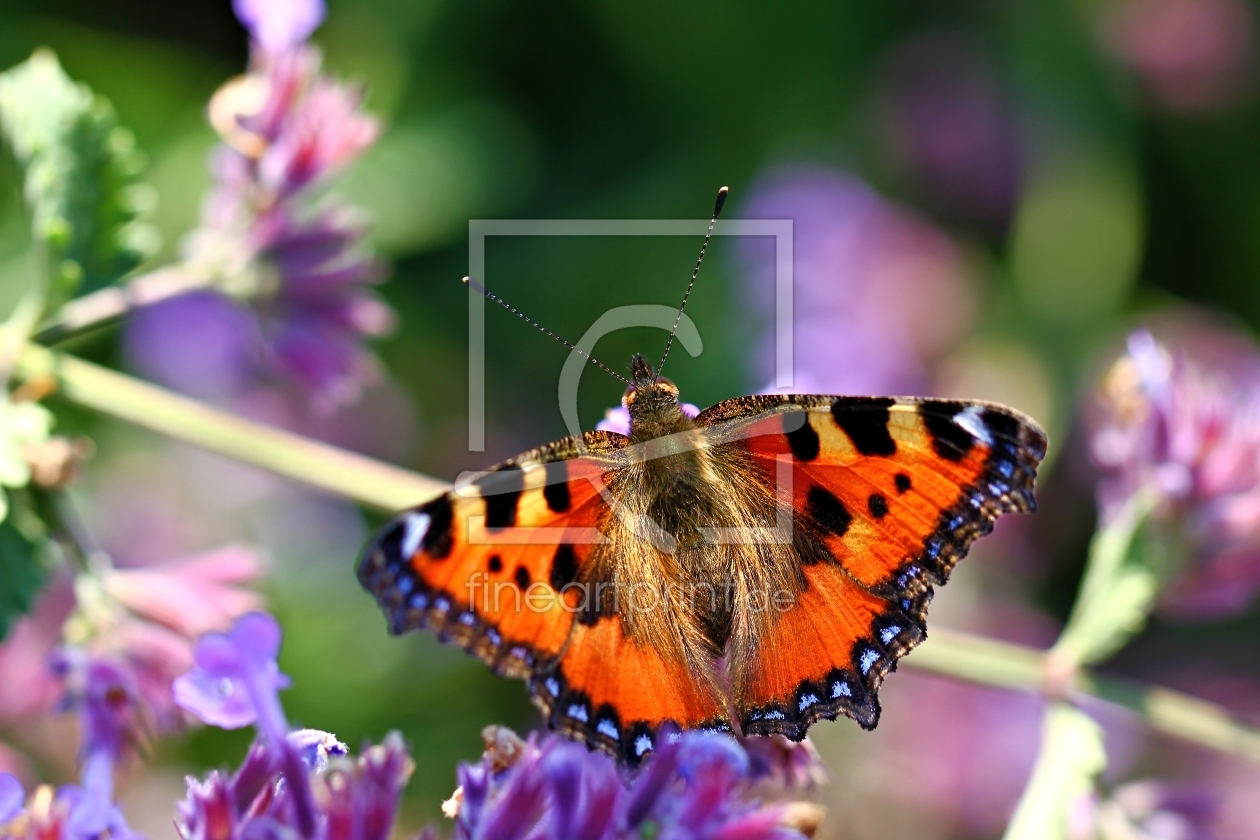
(203, 343)
(11, 797)
(1151, 810)
(788, 765)
(1169, 427)
(279, 24)
(696, 786)
(144, 620)
(878, 293)
(103, 694)
(299, 261)
(618, 419)
(1190, 55)
(236, 679)
(947, 128)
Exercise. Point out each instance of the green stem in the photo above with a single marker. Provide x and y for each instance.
(363, 479)
(1117, 591)
(389, 488)
(110, 304)
(1004, 665)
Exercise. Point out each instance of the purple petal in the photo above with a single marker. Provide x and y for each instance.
(615, 420)
(257, 637)
(279, 24)
(315, 747)
(11, 797)
(218, 701)
(707, 755)
(563, 768)
(236, 671)
(201, 344)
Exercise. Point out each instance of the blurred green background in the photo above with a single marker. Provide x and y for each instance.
(1130, 189)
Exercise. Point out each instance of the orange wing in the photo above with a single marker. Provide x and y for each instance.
(489, 567)
(888, 495)
(616, 695)
(487, 564)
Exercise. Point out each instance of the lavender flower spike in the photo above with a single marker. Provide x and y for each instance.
(694, 786)
(236, 678)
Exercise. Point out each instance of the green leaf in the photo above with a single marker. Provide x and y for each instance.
(81, 172)
(1071, 757)
(21, 566)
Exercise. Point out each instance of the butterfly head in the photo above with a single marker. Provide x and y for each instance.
(651, 400)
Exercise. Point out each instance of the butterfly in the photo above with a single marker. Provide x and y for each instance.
(755, 568)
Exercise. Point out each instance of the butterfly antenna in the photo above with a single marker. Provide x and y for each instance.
(717, 211)
(477, 287)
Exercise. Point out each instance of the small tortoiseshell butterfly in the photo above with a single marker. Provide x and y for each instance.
(755, 568)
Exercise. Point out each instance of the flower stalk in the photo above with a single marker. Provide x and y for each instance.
(370, 482)
(388, 488)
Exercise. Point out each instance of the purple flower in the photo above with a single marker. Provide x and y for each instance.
(697, 785)
(788, 765)
(352, 799)
(236, 679)
(947, 128)
(11, 797)
(279, 24)
(878, 293)
(297, 260)
(618, 419)
(92, 810)
(203, 343)
(103, 694)
(1169, 428)
(1152, 810)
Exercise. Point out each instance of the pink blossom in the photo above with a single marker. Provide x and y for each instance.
(193, 595)
(1189, 54)
(325, 130)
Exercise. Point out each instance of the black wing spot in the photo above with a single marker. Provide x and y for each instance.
(878, 505)
(802, 440)
(440, 538)
(522, 577)
(501, 490)
(902, 482)
(828, 512)
(495, 564)
(949, 440)
(865, 421)
(556, 490)
(563, 567)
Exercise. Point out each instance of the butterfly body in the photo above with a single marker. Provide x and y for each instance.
(756, 568)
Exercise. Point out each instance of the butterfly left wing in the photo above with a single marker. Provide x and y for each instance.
(503, 568)
(486, 564)
(887, 495)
